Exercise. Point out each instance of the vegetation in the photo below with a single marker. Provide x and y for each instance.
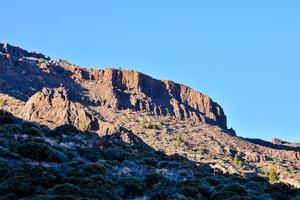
(39, 163)
(2, 102)
(178, 140)
(237, 162)
(273, 175)
(82, 126)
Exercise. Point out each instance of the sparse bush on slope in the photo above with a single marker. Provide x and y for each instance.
(39, 163)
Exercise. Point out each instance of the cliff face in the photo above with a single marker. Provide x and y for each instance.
(22, 74)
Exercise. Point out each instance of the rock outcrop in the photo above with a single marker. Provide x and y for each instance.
(109, 88)
(54, 108)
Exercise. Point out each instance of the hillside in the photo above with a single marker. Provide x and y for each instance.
(66, 163)
(163, 115)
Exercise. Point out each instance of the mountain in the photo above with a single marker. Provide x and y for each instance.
(163, 115)
(108, 88)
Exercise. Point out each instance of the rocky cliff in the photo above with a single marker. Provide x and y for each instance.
(24, 75)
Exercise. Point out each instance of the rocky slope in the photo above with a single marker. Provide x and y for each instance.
(65, 163)
(109, 88)
(165, 115)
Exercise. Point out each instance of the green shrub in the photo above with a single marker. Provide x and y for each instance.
(83, 126)
(33, 131)
(273, 175)
(40, 152)
(4, 132)
(213, 181)
(13, 128)
(133, 187)
(6, 117)
(254, 187)
(159, 195)
(4, 152)
(2, 102)
(93, 169)
(178, 140)
(189, 190)
(27, 125)
(115, 153)
(154, 178)
(232, 191)
(237, 162)
(91, 154)
(5, 170)
(65, 189)
(17, 185)
(143, 123)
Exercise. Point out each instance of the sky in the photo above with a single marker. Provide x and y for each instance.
(243, 54)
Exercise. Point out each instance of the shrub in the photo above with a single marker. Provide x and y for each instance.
(273, 175)
(66, 189)
(33, 131)
(188, 190)
(90, 154)
(5, 169)
(115, 153)
(12, 128)
(40, 152)
(178, 140)
(232, 190)
(93, 169)
(82, 126)
(6, 117)
(4, 152)
(2, 102)
(4, 132)
(143, 123)
(17, 185)
(133, 187)
(254, 188)
(66, 129)
(152, 179)
(237, 162)
(213, 181)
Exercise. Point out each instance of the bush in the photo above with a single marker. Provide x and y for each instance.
(93, 169)
(115, 153)
(5, 170)
(4, 132)
(13, 128)
(133, 187)
(273, 175)
(6, 117)
(152, 179)
(40, 152)
(4, 152)
(82, 126)
(65, 189)
(17, 185)
(254, 188)
(33, 131)
(91, 154)
(237, 162)
(178, 140)
(2, 102)
(189, 191)
(27, 125)
(232, 191)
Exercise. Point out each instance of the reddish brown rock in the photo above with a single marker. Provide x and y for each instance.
(110, 88)
(54, 108)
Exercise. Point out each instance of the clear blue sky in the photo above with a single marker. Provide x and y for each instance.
(244, 54)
